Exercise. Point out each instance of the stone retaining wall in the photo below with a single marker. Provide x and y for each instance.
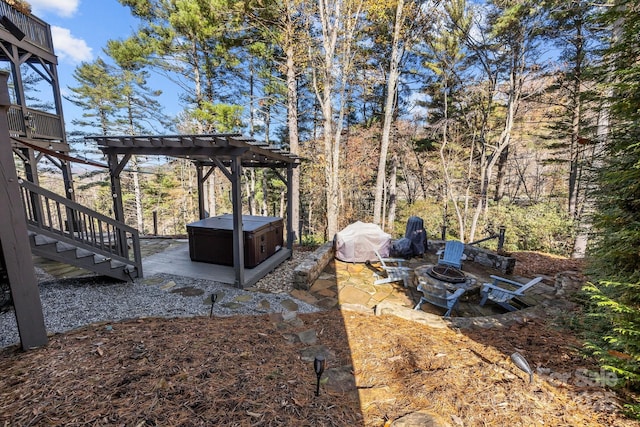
(486, 257)
(308, 270)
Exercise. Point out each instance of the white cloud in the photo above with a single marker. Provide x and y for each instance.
(63, 8)
(68, 47)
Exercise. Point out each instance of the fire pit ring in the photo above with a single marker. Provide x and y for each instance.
(447, 273)
(425, 274)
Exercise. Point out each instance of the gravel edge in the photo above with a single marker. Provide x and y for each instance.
(71, 303)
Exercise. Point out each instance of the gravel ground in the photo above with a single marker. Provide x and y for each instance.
(71, 303)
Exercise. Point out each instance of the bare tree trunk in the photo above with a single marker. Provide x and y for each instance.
(389, 108)
(500, 174)
(211, 194)
(337, 18)
(250, 188)
(576, 110)
(312, 229)
(393, 193)
(265, 195)
(282, 203)
(292, 115)
(488, 161)
(137, 194)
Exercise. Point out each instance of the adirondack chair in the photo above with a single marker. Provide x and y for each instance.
(501, 295)
(393, 271)
(438, 295)
(452, 255)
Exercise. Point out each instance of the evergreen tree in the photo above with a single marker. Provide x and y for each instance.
(615, 256)
(98, 94)
(140, 110)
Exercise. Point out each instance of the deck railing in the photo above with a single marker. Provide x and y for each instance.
(57, 217)
(34, 124)
(36, 31)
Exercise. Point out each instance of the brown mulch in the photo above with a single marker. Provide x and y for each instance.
(251, 371)
(531, 264)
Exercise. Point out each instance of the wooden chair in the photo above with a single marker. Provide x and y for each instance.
(452, 255)
(394, 271)
(502, 295)
(438, 295)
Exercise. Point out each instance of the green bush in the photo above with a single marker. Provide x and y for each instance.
(543, 227)
(429, 210)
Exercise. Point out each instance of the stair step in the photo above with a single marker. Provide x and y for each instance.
(43, 240)
(83, 253)
(62, 252)
(118, 264)
(99, 259)
(63, 247)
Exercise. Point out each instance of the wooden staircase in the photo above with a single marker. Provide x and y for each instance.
(67, 232)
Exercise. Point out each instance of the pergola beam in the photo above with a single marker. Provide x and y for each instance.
(227, 152)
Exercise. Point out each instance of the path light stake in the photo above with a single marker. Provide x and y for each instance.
(214, 298)
(318, 366)
(521, 363)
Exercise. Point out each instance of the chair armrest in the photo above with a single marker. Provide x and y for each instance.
(457, 294)
(487, 286)
(398, 260)
(497, 279)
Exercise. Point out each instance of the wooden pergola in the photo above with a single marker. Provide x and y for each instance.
(227, 152)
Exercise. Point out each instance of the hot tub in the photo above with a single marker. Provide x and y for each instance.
(211, 239)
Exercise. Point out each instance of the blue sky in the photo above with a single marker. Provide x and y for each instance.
(80, 30)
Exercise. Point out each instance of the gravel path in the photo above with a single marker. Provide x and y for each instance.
(71, 303)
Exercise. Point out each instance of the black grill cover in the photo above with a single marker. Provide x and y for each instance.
(417, 234)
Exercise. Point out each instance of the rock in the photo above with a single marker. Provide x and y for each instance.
(308, 337)
(264, 304)
(289, 316)
(340, 379)
(243, 298)
(406, 313)
(289, 305)
(303, 296)
(170, 284)
(232, 305)
(308, 354)
(187, 291)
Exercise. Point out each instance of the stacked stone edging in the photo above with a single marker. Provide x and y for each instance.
(485, 257)
(309, 270)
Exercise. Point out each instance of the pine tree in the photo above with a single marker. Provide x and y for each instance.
(615, 291)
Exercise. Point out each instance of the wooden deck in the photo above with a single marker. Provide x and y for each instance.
(171, 256)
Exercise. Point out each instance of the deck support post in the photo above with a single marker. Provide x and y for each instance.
(14, 240)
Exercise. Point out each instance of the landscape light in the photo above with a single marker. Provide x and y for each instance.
(521, 363)
(214, 298)
(318, 366)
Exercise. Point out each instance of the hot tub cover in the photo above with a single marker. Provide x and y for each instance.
(358, 241)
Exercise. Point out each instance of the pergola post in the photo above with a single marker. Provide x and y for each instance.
(14, 239)
(238, 233)
(291, 234)
(200, 178)
(115, 168)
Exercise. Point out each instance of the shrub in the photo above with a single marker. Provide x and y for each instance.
(541, 227)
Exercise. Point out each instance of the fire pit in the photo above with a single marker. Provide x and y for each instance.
(450, 277)
(447, 273)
